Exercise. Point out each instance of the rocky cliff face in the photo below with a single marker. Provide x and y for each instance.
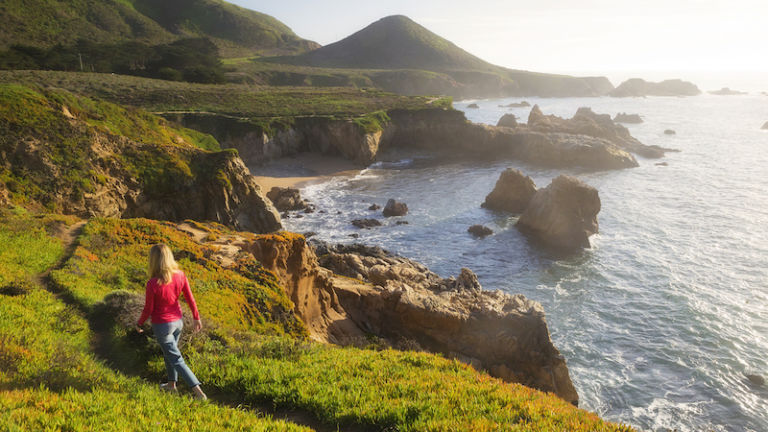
(79, 159)
(353, 292)
(562, 215)
(436, 130)
(586, 122)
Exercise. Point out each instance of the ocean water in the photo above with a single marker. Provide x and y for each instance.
(664, 315)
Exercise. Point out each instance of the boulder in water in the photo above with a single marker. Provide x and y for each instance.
(627, 118)
(507, 120)
(473, 105)
(480, 231)
(765, 125)
(286, 199)
(755, 379)
(395, 208)
(366, 223)
(669, 132)
(512, 193)
(562, 215)
(374, 207)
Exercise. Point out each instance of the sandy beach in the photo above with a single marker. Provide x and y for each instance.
(302, 169)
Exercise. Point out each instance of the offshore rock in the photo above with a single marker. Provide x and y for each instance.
(638, 87)
(366, 223)
(512, 193)
(398, 298)
(395, 208)
(562, 215)
(672, 132)
(765, 125)
(586, 122)
(507, 120)
(480, 231)
(473, 105)
(286, 199)
(627, 118)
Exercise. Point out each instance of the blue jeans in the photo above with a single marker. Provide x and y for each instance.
(167, 335)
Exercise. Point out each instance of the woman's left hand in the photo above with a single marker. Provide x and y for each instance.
(197, 326)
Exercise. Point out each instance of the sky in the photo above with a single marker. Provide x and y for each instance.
(722, 43)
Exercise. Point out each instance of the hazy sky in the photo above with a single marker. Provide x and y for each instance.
(618, 38)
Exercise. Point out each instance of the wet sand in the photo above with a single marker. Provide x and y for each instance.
(302, 169)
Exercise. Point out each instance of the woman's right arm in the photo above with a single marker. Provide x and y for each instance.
(149, 303)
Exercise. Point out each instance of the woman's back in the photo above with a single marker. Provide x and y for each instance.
(162, 300)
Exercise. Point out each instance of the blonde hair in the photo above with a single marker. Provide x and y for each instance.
(161, 263)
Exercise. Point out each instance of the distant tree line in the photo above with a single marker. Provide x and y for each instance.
(194, 60)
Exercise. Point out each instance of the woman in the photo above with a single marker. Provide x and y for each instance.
(164, 287)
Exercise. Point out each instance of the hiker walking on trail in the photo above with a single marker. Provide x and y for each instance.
(161, 303)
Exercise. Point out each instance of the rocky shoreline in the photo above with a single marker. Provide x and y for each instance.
(587, 141)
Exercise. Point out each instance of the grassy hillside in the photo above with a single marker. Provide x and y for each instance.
(50, 377)
(393, 42)
(49, 144)
(236, 31)
(397, 42)
(233, 99)
(240, 362)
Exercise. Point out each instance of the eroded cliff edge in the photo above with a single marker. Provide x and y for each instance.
(437, 130)
(353, 292)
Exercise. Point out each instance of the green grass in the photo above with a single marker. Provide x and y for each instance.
(76, 138)
(235, 30)
(258, 364)
(233, 99)
(49, 377)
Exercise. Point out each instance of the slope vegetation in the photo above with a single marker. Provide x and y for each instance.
(236, 31)
(397, 42)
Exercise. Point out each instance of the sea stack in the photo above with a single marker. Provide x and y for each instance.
(562, 215)
(512, 193)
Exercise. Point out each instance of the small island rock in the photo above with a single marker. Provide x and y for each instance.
(512, 193)
(765, 125)
(562, 215)
(507, 120)
(374, 207)
(480, 231)
(628, 118)
(669, 132)
(395, 208)
(473, 105)
(366, 223)
(286, 199)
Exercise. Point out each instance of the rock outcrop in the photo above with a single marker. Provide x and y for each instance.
(503, 334)
(507, 120)
(522, 104)
(473, 105)
(65, 160)
(725, 91)
(627, 118)
(285, 199)
(366, 223)
(638, 87)
(480, 231)
(562, 215)
(436, 130)
(512, 193)
(586, 122)
(395, 208)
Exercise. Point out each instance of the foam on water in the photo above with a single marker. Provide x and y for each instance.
(661, 319)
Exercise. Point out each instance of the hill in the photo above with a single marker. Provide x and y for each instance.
(397, 42)
(235, 31)
(636, 87)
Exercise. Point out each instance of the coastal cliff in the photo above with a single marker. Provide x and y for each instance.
(437, 130)
(89, 158)
(353, 292)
